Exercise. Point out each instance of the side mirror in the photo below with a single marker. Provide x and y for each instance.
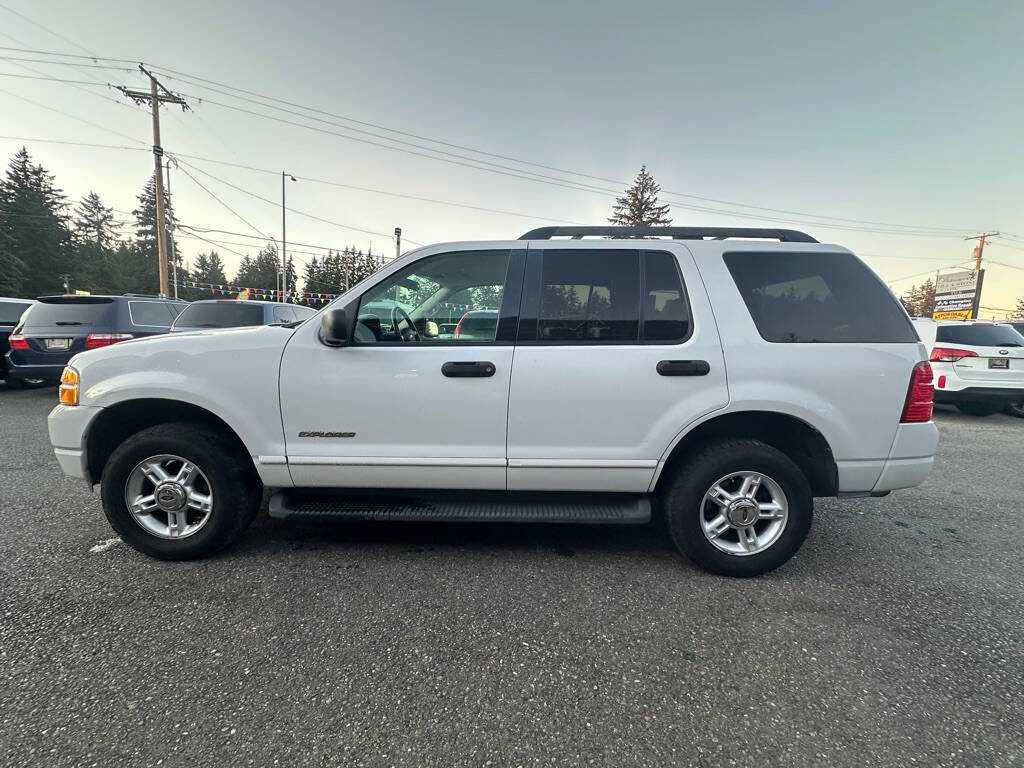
(334, 328)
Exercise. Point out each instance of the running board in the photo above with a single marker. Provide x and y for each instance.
(485, 507)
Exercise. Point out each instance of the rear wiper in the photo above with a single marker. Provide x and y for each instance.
(1011, 344)
(69, 322)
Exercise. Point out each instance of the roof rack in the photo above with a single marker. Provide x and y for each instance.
(676, 233)
(146, 295)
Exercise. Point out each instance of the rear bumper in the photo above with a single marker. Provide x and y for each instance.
(50, 373)
(911, 458)
(69, 426)
(980, 395)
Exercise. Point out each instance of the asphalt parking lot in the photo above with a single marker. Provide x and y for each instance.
(893, 638)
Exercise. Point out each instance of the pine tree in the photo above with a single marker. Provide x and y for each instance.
(926, 298)
(310, 276)
(145, 274)
(260, 271)
(35, 243)
(912, 301)
(639, 207)
(1019, 310)
(96, 235)
(209, 269)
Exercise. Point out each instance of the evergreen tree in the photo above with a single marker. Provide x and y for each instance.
(639, 207)
(145, 273)
(260, 271)
(311, 276)
(96, 235)
(926, 298)
(35, 243)
(1019, 309)
(209, 269)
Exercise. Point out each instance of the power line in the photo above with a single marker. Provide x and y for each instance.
(46, 29)
(75, 143)
(290, 210)
(921, 274)
(73, 117)
(90, 56)
(239, 216)
(74, 64)
(178, 75)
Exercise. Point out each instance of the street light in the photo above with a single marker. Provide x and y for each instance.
(283, 283)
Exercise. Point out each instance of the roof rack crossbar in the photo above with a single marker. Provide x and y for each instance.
(676, 233)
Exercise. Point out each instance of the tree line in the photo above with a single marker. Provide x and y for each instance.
(49, 246)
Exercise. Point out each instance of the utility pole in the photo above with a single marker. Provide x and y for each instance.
(174, 255)
(155, 99)
(979, 249)
(284, 239)
(398, 242)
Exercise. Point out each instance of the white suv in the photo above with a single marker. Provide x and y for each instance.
(715, 379)
(978, 365)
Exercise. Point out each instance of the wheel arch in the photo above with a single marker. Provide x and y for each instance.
(799, 440)
(117, 422)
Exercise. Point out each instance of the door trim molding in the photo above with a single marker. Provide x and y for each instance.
(392, 461)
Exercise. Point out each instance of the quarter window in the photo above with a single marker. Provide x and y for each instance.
(152, 313)
(666, 315)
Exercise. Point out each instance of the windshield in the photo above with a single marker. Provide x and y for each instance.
(980, 335)
(220, 315)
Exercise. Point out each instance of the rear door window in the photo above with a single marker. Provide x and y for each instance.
(220, 315)
(157, 314)
(979, 335)
(817, 297)
(589, 296)
(70, 313)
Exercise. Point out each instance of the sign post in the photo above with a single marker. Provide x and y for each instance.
(957, 295)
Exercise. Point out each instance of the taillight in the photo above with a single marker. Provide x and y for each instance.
(949, 355)
(920, 396)
(17, 341)
(96, 340)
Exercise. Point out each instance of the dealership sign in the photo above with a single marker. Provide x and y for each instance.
(957, 295)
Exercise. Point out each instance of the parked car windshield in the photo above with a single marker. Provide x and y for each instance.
(11, 311)
(70, 312)
(220, 315)
(980, 335)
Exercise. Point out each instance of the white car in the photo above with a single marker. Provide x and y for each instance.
(978, 365)
(715, 377)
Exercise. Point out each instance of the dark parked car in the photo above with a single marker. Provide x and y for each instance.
(236, 313)
(11, 311)
(1016, 409)
(57, 327)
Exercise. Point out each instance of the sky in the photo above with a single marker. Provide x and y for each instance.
(908, 115)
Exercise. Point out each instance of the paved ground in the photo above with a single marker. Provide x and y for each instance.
(894, 637)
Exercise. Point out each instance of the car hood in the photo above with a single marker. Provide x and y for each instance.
(186, 349)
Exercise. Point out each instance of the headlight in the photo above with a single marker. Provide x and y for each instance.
(68, 391)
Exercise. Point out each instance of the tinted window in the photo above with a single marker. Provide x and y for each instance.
(979, 335)
(665, 312)
(155, 313)
(70, 312)
(817, 297)
(589, 296)
(229, 314)
(283, 314)
(424, 301)
(301, 313)
(11, 311)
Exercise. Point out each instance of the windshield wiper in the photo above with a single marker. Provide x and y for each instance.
(69, 322)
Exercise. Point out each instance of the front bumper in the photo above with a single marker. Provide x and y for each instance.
(1001, 395)
(69, 429)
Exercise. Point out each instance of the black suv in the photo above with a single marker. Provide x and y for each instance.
(11, 311)
(57, 327)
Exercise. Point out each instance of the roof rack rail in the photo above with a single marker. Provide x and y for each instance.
(146, 295)
(676, 233)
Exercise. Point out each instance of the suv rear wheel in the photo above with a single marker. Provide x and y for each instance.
(180, 491)
(739, 508)
(975, 408)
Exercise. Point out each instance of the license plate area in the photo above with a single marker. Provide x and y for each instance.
(57, 345)
(1001, 363)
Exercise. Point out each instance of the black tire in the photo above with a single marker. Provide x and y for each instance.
(237, 491)
(977, 409)
(1015, 409)
(683, 511)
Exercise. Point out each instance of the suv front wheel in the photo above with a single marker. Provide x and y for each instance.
(180, 491)
(739, 508)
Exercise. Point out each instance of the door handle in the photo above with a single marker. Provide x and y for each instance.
(684, 367)
(462, 369)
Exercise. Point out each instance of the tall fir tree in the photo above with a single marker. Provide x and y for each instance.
(96, 237)
(35, 242)
(639, 206)
(145, 274)
(1018, 311)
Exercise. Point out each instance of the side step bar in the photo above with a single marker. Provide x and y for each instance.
(488, 507)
